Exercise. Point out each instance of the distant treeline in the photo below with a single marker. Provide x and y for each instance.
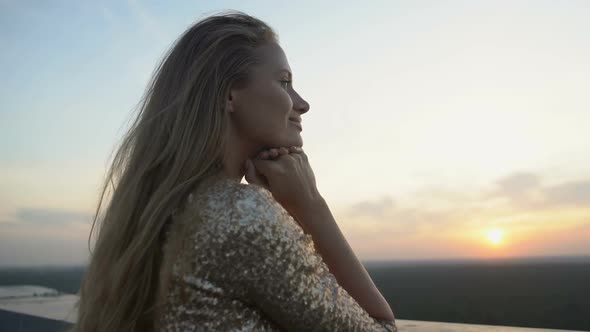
(542, 295)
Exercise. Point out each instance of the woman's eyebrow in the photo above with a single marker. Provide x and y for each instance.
(285, 71)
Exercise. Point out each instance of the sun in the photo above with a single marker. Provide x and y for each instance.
(495, 236)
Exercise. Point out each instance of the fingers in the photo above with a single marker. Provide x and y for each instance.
(273, 153)
(268, 167)
(252, 176)
(283, 151)
(263, 155)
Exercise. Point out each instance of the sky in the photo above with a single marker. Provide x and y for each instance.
(436, 129)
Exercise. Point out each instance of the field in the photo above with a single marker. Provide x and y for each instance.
(543, 293)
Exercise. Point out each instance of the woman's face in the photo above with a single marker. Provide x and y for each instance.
(265, 113)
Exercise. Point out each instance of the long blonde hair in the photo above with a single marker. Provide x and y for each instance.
(176, 141)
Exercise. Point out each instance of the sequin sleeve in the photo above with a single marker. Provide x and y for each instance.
(276, 265)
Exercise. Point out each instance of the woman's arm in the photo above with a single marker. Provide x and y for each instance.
(291, 181)
(273, 266)
(341, 260)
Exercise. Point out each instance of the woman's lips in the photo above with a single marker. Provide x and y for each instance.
(297, 124)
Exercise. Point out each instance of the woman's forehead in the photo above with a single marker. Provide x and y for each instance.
(274, 59)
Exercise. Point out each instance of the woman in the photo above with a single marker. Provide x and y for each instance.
(184, 245)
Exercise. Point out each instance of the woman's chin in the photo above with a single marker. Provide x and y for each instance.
(297, 141)
(292, 140)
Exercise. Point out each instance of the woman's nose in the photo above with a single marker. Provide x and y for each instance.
(301, 106)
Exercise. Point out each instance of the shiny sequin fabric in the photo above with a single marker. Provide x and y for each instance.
(235, 260)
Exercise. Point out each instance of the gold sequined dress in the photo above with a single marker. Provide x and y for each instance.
(246, 265)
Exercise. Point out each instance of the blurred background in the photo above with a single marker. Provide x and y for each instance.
(438, 130)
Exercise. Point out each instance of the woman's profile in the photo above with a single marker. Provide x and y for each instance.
(184, 244)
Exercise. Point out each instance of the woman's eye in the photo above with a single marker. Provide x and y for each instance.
(286, 82)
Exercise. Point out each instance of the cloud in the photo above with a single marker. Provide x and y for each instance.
(377, 208)
(51, 216)
(570, 193)
(524, 191)
(437, 221)
(382, 216)
(518, 199)
(25, 250)
(517, 183)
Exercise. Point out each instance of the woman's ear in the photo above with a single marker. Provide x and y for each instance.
(235, 96)
(229, 102)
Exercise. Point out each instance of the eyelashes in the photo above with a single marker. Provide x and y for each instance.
(287, 82)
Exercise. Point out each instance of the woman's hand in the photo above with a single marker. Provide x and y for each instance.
(286, 173)
(253, 176)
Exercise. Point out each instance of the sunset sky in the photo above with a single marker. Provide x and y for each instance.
(437, 129)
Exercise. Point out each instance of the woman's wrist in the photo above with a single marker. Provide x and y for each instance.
(305, 214)
(330, 243)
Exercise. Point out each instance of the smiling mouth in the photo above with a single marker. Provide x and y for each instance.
(297, 124)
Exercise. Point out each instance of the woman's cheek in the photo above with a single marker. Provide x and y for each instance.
(288, 102)
(283, 99)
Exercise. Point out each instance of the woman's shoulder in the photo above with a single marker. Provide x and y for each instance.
(246, 212)
(227, 199)
(226, 192)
